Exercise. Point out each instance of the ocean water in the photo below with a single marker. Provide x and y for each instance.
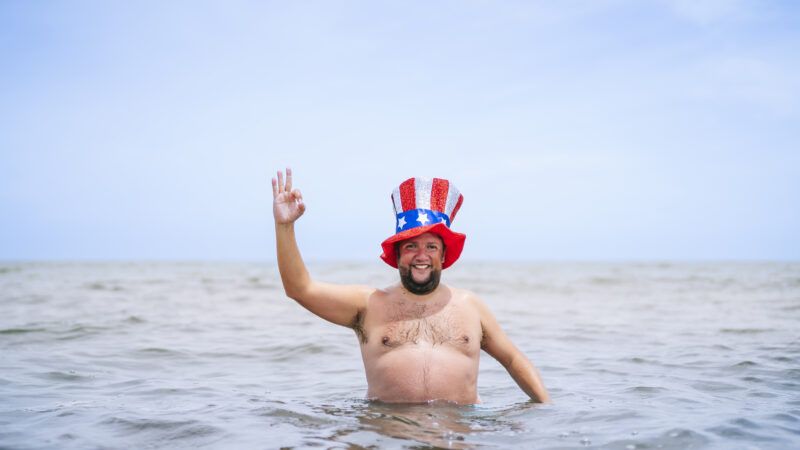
(200, 355)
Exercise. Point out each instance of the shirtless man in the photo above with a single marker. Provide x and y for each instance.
(420, 340)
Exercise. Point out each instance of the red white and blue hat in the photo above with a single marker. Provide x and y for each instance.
(425, 206)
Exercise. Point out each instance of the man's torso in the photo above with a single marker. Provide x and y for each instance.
(420, 350)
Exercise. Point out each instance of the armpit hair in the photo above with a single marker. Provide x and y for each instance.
(358, 326)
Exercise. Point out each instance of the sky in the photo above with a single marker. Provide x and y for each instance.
(598, 130)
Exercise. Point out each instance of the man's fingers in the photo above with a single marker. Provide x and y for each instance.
(288, 179)
(280, 182)
(298, 198)
(274, 188)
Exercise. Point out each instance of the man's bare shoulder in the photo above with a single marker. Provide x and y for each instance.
(380, 297)
(464, 295)
(387, 291)
(470, 299)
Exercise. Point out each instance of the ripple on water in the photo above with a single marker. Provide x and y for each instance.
(722, 347)
(640, 360)
(134, 320)
(69, 376)
(160, 352)
(165, 429)
(80, 331)
(785, 417)
(172, 391)
(790, 430)
(100, 286)
(761, 394)
(745, 330)
(299, 419)
(286, 352)
(678, 438)
(741, 430)
(790, 374)
(744, 365)
(645, 391)
(715, 386)
(22, 330)
(9, 269)
(609, 416)
(751, 379)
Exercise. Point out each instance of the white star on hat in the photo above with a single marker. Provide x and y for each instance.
(401, 223)
(423, 218)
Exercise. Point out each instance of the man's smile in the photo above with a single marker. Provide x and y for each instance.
(421, 271)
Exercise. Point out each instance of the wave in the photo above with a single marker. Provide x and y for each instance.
(22, 330)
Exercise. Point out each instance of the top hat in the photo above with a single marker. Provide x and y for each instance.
(425, 206)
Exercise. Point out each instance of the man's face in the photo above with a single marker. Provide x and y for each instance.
(420, 261)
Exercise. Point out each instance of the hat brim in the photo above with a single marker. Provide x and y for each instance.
(453, 242)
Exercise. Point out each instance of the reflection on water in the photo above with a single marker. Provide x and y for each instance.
(437, 424)
(661, 356)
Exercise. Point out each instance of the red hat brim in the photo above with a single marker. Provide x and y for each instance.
(453, 242)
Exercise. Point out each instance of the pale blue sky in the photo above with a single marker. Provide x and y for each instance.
(576, 130)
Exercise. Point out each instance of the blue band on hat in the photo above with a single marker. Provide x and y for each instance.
(414, 218)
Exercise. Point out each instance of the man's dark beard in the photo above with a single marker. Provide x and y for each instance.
(419, 288)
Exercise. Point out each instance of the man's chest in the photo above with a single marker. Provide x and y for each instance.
(400, 325)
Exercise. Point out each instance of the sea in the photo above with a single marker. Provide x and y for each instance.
(174, 355)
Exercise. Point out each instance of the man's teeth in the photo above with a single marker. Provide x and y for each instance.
(422, 266)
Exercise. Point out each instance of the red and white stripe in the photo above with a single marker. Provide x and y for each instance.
(436, 194)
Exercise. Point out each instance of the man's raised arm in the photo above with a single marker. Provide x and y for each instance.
(334, 303)
(499, 346)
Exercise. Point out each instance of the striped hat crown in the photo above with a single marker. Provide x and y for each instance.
(419, 202)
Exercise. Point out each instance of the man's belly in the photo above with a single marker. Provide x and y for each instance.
(422, 372)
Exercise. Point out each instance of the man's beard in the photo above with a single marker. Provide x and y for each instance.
(419, 288)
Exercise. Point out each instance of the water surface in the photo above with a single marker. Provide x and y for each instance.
(179, 355)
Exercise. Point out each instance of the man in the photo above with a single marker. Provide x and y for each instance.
(420, 340)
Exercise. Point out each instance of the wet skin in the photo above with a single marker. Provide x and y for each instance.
(421, 347)
(420, 350)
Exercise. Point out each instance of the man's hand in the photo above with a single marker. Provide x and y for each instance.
(340, 304)
(287, 204)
